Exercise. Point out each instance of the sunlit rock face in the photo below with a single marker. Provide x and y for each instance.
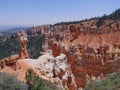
(22, 37)
(54, 67)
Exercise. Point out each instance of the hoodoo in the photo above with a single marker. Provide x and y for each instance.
(22, 37)
(23, 54)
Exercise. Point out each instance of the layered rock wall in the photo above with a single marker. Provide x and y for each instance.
(90, 63)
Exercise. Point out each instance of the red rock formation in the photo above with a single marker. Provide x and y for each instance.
(12, 60)
(91, 63)
(38, 30)
(56, 50)
(22, 36)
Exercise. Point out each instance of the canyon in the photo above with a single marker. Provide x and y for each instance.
(74, 54)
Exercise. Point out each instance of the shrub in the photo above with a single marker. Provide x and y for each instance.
(112, 82)
(10, 82)
(36, 83)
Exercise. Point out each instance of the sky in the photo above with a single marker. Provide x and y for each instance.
(39, 12)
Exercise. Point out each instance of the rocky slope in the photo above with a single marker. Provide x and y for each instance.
(54, 68)
(90, 63)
